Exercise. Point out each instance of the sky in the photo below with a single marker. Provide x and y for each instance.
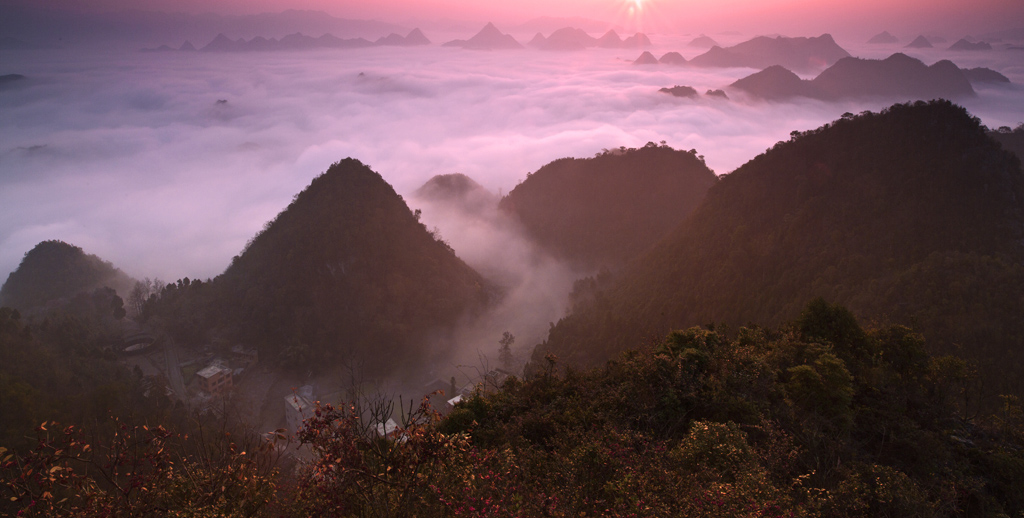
(785, 16)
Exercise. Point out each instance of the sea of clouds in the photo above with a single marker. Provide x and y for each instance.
(134, 157)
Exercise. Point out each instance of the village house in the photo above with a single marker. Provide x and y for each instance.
(215, 379)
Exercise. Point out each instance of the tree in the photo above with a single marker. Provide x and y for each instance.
(505, 357)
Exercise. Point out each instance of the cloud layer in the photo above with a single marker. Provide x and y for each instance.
(132, 157)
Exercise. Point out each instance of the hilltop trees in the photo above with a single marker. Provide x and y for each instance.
(602, 211)
(821, 417)
(911, 216)
(56, 271)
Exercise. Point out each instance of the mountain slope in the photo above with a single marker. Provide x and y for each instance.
(55, 270)
(347, 274)
(912, 215)
(602, 211)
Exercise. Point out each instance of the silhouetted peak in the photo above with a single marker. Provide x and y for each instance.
(637, 40)
(444, 186)
(672, 58)
(702, 41)
(900, 58)
(680, 91)
(883, 37)
(920, 42)
(488, 38)
(646, 59)
(966, 44)
(984, 75)
(416, 37)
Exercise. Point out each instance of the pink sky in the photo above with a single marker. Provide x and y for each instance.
(792, 16)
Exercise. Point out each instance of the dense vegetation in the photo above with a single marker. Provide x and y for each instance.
(819, 418)
(602, 211)
(911, 216)
(56, 271)
(346, 274)
(62, 367)
(1011, 139)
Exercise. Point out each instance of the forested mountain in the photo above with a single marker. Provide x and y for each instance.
(55, 271)
(912, 215)
(347, 273)
(602, 211)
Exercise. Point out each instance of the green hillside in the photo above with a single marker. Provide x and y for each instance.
(345, 274)
(912, 215)
(602, 211)
(56, 271)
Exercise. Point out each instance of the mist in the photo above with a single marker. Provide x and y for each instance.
(134, 157)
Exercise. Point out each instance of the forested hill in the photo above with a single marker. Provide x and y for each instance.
(456, 191)
(1012, 140)
(345, 274)
(55, 270)
(602, 211)
(912, 215)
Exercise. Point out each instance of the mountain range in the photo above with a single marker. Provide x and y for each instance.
(897, 77)
(570, 38)
(883, 38)
(799, 54)
(489, 38)
(39, 25)
(965, 44)
(298, 41)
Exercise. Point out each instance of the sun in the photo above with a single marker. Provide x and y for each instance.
(640, 15)
(637, 7)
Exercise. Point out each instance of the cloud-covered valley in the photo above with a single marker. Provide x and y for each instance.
(134, 156)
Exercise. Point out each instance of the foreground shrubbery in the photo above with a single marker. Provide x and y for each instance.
(819, 418)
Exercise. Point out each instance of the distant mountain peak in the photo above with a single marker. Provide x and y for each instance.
(883, 38)
(646, 58)
(920, 42)
(489, 38)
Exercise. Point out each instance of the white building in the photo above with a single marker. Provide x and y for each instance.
(296, 409)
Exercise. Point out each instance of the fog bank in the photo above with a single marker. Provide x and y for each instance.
(134, 157)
